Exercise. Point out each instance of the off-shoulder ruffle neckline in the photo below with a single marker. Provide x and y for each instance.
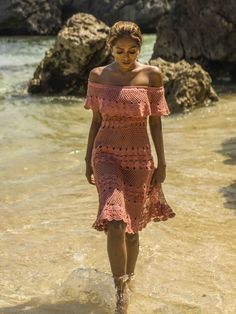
(124, 86)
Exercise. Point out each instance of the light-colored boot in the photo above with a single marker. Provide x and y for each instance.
(122, 296)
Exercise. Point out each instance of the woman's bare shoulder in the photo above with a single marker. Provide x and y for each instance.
(151, 74)
(154, 74)
(96, 73)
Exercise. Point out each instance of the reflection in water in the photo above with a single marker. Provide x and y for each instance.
(52, 261)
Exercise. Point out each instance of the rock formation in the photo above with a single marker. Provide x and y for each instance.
(202, 31)
(31, 17)
(186, 85)
(79, 46)
(146, 13)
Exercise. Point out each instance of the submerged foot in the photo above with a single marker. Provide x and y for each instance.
(130, 282)
(122, 294)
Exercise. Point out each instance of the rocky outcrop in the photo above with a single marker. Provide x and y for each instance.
(202, 31)
(79, 47)
(146, 13)
(186, 85)
(30, 17)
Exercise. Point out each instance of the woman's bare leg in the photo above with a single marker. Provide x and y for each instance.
(116, 247)
(132, 245)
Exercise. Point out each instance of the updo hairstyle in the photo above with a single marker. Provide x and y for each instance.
(122, 28)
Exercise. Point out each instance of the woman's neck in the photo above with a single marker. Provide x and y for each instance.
(121, 69)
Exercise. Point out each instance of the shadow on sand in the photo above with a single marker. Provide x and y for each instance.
(70, 307)
(229, 192)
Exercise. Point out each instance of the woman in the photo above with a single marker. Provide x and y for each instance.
(119, 160)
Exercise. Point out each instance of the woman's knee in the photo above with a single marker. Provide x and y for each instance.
(132, 237)
(116, 228)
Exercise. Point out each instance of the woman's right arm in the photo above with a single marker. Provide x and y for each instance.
(94, 127)
(96, 120)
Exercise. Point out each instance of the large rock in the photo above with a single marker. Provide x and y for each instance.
(186, 85)
(146, 13)
(29, 17)
(202, 31)
(79, 47)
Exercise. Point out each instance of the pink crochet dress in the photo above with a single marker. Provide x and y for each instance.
(122, 160)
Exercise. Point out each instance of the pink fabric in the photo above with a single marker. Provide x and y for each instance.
(122, 160)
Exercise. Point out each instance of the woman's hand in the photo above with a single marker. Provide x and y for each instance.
(159, 175)
(89, 173)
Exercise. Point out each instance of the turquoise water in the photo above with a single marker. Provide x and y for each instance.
(52, 261)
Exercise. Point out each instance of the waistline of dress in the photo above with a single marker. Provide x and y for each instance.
(123, 122)
(141, 150)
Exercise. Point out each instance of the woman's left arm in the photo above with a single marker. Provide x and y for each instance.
(157, 137)
(159, 174)
(155, 125)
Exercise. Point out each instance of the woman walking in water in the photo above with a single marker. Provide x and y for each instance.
(119, 161)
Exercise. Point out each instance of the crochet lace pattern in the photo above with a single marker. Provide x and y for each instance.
(122, 159)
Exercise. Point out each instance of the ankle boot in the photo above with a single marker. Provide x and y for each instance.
(122, 298)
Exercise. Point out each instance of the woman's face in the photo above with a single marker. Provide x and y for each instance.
(125, 51)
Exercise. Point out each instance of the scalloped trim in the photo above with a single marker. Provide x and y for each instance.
(156, 214)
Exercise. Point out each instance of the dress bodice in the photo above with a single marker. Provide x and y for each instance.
(124, 111)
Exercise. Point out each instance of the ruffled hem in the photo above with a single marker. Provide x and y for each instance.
(162, 213)
(109, 213)
(159, 212)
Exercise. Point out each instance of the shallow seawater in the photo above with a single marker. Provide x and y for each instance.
(52, 261)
